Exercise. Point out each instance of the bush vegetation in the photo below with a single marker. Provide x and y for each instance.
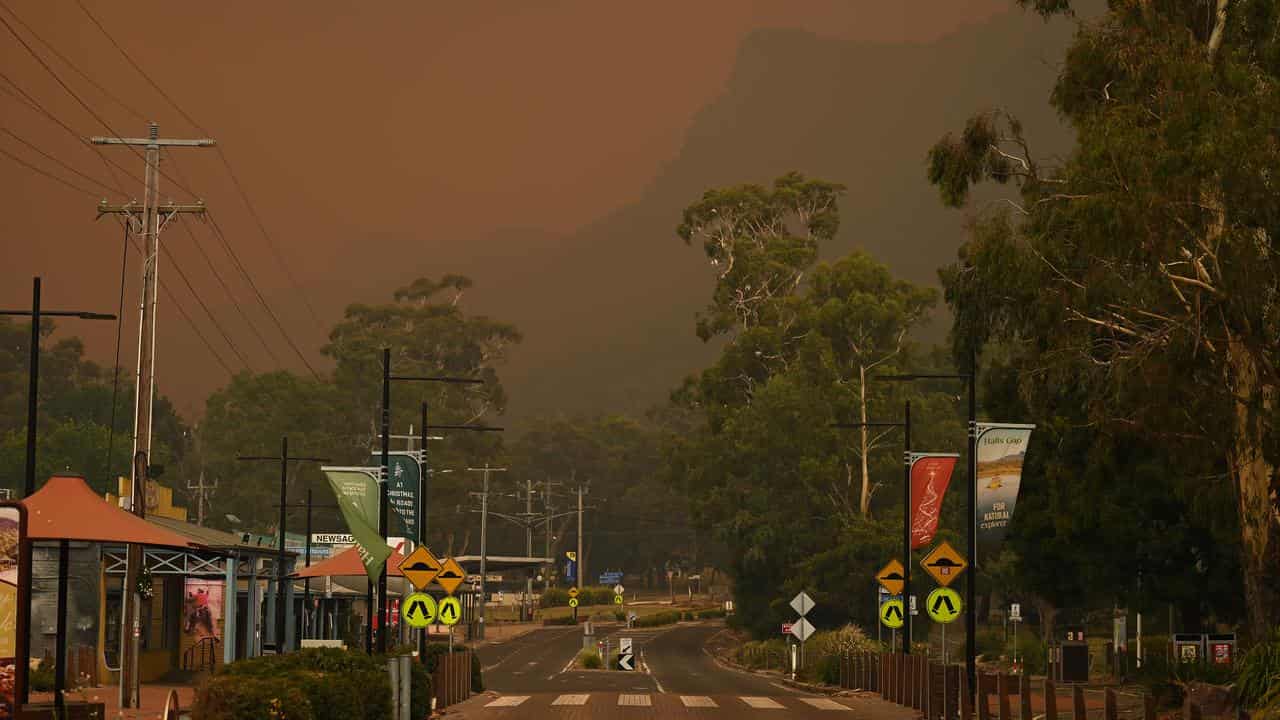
(589, 658)
(311, 684)
(590, 595)
(666, 617)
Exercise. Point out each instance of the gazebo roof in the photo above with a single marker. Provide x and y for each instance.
(68, 509)
(347, 564)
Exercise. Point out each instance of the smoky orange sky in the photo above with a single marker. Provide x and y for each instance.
(379, 141)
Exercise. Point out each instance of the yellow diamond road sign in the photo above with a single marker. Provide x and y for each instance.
(943, 605)
(891, 613)
(419, 609)
(573, 592)
(450, 611)
(892, 577)
(450, 576)
(944, 563)
(420, 568)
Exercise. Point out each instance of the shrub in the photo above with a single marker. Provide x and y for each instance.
(619, 615)
(990, 643)
(41, 678)
(339, 684)
(1258, 682)
(566, 620)
(590, 659)
(665, 617)
(230, 697)
(711, 614)
(589, 595)
(554, 597)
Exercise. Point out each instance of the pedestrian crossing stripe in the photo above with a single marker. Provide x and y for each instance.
(508, 701)
(634, 700)
(825, 704)
(762, 703)
(571, 700)
(700, 701)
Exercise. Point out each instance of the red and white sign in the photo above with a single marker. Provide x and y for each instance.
(1221, 653)
(786, 628)
(930, 476)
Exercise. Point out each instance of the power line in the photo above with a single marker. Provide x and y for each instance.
(217, 229)
(208, 312)
(69, 130)
(131, 110)
(58, 78)
(64, 165)
(235, 180)
(47, 174)
(115, 374)
(239, 308)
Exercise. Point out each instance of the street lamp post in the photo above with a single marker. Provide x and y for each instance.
(281, 577)
(29, 487)
(387, 377)
(906, 511)
(971, 584)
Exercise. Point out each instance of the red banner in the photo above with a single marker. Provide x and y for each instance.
(930, 475)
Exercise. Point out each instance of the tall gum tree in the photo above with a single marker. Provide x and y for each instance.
(1143, 265)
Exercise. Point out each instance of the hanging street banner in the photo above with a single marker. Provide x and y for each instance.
(1002, 447)
(402, 488)
(930, 476)
(357, 493)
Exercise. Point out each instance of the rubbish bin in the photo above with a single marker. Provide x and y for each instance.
(1073, 658)
(1220, 649)
(1188, 647)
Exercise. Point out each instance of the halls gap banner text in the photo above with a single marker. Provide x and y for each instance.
(1002, 448)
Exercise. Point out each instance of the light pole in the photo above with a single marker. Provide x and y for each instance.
(971, 584)
(387, 377)
(906, 512)
(29, 487)
(281, 577)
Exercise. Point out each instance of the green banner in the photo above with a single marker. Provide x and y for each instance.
(402, 490)
(357, 492)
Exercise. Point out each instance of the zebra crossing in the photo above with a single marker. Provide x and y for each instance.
(647, 700)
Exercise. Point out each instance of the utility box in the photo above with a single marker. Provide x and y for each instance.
(1073, 656)
(1188, 647)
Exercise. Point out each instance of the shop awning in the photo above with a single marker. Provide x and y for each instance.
(347, 564)
(66, 508)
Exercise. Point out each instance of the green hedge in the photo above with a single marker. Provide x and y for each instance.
(311, 684)
(665, 617)
(566, 620)
(590, 595)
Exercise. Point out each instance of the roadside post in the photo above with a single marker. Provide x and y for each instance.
(801, 628)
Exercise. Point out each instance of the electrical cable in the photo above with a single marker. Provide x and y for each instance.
(47, 174)
(235, 180)
(217, 230)
(115, 375)
(64, 165)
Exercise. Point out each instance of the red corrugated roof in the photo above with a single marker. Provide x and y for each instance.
(347, 564)
(68, 509)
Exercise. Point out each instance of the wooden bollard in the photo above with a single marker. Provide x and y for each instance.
(1109, 704)
(1078, 711)
(966, 696)
(1024, 696)
(884, 676)
(1148, 707)
(1051, 700)
(984, 705)
(1002, 696)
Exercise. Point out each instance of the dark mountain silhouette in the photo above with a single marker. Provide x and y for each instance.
(613, 324)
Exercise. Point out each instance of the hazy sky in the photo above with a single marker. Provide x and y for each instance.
(364, 130)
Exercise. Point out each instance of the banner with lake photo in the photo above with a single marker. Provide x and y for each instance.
(930, 476)
(1002, 448)
(358, 498)
(12, 576)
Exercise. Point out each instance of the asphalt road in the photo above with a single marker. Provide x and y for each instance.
(528, 678)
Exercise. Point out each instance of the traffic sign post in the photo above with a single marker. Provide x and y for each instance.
(944, 564)
(449, 611)
(420, 567)
(419, 610)
(892, 577)
(801, 629)
(450, 576)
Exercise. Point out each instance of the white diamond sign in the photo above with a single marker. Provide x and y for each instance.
(802, 603)
(617, 589)
(802, 629)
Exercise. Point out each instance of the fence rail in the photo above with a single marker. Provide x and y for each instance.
(941, 692)
(452, 678)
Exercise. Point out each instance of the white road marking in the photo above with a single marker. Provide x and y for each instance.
(761, 703)
(508, 701)
(697, 701)
(572, 700)
(634, 700)
(825, 704)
